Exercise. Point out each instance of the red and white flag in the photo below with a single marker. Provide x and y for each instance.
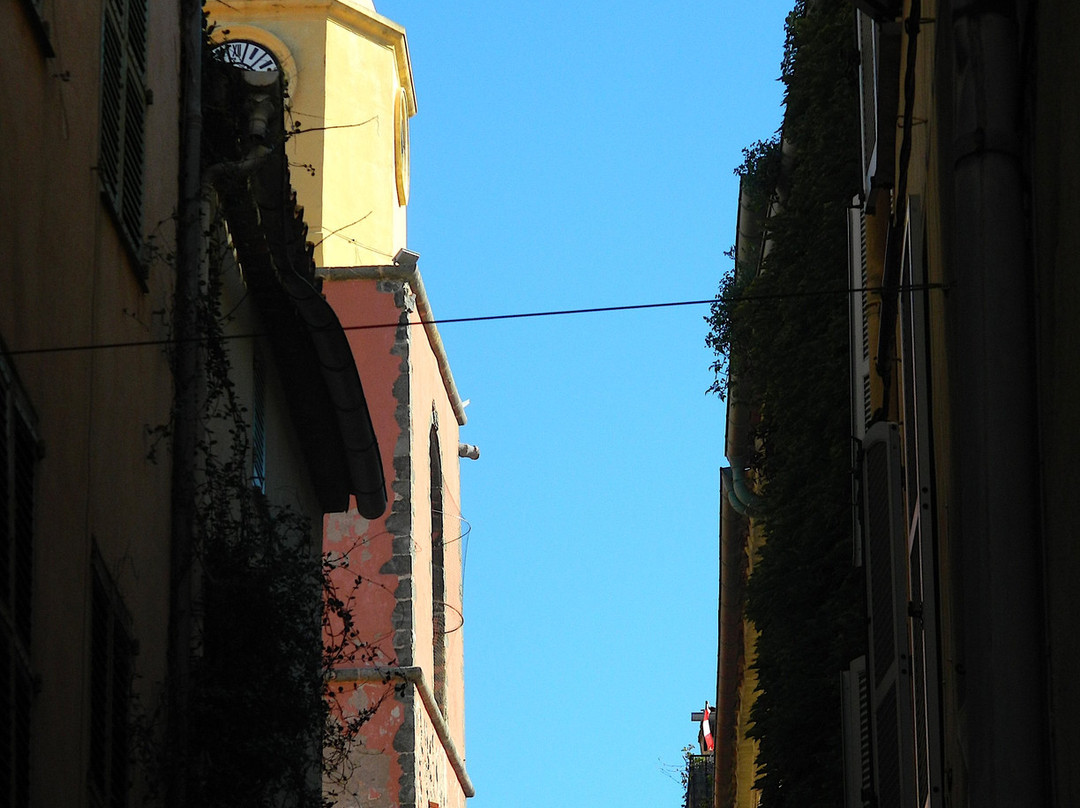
(706, 730)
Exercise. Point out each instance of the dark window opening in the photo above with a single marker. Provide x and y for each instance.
(111, 672)
(123, 114)
(18, 462)
(438, 573)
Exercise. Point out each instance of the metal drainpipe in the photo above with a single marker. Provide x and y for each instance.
(732, 587)
(999, 570)
(415, 675)
(411, 276)
(186, 376)
(741, 485)
(733, 537)
(727, 487)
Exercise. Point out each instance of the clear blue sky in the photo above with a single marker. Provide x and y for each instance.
(570, 155)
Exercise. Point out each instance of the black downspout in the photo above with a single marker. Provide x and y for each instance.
(999, 574)
(186, 381)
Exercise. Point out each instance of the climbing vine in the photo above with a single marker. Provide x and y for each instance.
(270, 619)
(787, 344)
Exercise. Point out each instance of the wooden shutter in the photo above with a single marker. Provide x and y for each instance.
(885, 548)
(111, 671)
(878, 42)
(860, 322)
(18, 462)
(858, 765)
(859, 351)
(123, 111)
(866, 40)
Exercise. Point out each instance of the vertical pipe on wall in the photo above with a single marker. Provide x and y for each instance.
(733, 528)
(186, 375)
(999, 579)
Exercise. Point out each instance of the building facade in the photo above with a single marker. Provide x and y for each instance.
(791, 605)
(84, 509)
(114, 621)
(962, 367)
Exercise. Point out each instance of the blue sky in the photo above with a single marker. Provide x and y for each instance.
(575, 155)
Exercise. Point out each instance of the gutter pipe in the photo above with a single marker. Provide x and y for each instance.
(409, 274)
(733, 535)
(187, 372)
(741, 485)
(728, 487)
(415, 676)
(1000, 580)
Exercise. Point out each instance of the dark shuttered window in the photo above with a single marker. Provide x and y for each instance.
(123, 112)
(885, 547)
(111, 650)
(18, 461)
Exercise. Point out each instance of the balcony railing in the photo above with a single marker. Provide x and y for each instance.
(699, 781)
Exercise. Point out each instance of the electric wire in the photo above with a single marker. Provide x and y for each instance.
(487, 318)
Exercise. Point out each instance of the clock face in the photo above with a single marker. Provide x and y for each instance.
(246, 54)
(401, 146)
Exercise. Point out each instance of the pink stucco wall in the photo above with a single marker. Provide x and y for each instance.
(384, 571)
(362, 548)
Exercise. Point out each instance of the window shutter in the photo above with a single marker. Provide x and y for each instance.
(879, 78)
(860, 322)
(866, 42)
(111, 669)
(112, 60)
(859, 352)
(18, 461)
(123, 111)
(885, 546)
(131, 196)
(858, 771)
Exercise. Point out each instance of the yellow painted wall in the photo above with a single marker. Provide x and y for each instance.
(346, 67)
(68, 280)
(746, 753)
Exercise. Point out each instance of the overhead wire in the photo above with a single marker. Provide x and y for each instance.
(487, 318)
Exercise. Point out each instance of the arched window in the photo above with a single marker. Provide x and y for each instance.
(438, 574)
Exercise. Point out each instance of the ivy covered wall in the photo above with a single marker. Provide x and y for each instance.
(781, 325)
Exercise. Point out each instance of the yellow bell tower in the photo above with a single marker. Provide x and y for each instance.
(350, 98)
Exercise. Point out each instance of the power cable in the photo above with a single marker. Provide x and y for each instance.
(489, 318)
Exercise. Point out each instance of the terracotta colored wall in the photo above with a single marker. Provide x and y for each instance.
(392, 597)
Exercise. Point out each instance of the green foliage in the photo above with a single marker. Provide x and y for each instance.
(258, 704)
(758, 178)
(271, 621)
(789, 346)
(257, 692)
